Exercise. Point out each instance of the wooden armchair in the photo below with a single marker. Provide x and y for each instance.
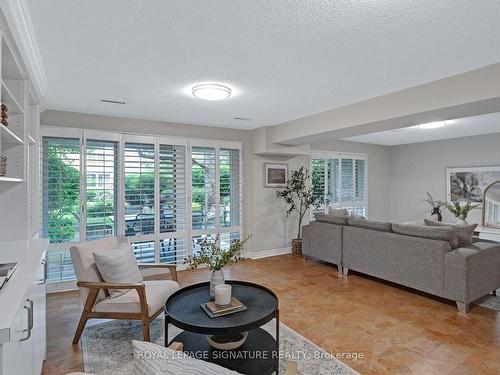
(144, 302)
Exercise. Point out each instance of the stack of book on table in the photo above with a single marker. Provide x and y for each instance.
(214, 311)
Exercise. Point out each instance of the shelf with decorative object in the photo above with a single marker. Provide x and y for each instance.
(10, 100)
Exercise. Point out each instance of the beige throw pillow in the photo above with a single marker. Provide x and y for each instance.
(464, 232)
(335, 212)
(118, 266)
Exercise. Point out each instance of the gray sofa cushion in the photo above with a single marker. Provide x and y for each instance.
(434, 233)
(369, 224)
(464, 232)
(338, 220)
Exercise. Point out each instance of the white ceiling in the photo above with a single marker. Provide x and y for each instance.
(456, 128)
(284, 59)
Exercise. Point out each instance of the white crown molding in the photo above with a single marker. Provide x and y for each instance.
(18, 18)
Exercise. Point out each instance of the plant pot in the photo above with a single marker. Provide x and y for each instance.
(297, 247)
(216, 279)
(227, 342)
(437, 211)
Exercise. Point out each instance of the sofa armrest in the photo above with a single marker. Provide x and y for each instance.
(472, 272)
(171, 267)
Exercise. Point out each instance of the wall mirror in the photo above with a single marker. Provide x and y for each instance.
(491, 210)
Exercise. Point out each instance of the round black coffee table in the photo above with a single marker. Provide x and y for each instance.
(259, 354)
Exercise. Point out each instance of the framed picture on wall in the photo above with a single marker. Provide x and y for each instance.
(275, 175)
(470, 183)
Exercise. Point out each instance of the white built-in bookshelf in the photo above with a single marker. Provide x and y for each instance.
(19, 144)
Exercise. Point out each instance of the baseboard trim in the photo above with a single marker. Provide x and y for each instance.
(270, 253)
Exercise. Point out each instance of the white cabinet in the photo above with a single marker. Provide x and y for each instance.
(23, 327)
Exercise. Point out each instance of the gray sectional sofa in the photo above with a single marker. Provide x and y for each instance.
(461, 274)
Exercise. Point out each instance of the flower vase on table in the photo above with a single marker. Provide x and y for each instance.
(216, 257)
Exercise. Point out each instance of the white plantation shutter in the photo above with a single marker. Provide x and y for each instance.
(319, 185)
(173, 204)
(342, 178)
(139, 166)
(346, 184)
(139, 183)
(333, 181)
(101, 169)
(360, 187)
(229, 167)
(60, 221)
(203, 187)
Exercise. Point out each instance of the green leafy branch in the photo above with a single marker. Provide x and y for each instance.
(460, 211)
(212, 255)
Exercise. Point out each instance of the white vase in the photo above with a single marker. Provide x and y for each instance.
(462, 221)
(216, 279)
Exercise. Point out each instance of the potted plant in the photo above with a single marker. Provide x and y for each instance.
(436, 206)
(460, 211)
(299, 197)
(212, 255)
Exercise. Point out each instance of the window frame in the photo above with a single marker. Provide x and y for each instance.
(329, 155)
(89, 134)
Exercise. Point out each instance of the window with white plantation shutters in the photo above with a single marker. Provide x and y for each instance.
(173, 203)
(203, 187)
(342, 181)
(101, 169)
(229, 177)
(139, 187)
(139, 182)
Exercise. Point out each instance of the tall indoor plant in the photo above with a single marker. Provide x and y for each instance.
(299, 197)
(215, 257)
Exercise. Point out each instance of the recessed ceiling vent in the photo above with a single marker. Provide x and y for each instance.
(112, 101)
(243, 119)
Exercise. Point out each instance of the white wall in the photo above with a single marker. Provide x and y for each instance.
(421, 167)
(272, 229)
(378, 173)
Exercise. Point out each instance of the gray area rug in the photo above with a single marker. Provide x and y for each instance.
(490, 301)
(107, 348)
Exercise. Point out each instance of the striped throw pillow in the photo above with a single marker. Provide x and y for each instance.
(118, 266)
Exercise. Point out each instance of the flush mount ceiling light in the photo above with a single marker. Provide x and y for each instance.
(432, 125)
(211, 91)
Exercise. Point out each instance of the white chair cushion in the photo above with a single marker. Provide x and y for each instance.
(118, 266)
(157, 292)
(153, 359)
(86, 270)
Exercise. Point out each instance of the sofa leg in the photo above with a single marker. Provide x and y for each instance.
(463, 308)
(345, 271)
